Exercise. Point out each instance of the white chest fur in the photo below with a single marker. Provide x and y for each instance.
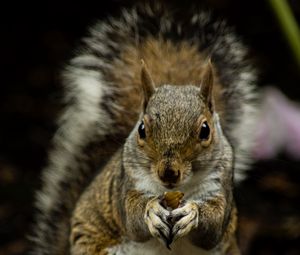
(154, 247)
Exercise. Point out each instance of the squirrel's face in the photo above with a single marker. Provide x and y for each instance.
(176, 134)
(176, 130)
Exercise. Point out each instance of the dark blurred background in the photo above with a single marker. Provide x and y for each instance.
(37, 40)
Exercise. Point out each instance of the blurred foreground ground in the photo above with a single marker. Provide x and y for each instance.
(37, 43)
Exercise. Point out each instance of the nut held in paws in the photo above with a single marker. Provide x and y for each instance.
(172, 199)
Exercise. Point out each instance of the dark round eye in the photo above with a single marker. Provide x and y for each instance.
(142, 131)
(204, 132)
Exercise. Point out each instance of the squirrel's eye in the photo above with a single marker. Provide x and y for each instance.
(142, 131)
(204, 132)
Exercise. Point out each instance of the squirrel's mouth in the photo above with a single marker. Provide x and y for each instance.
(169, 185)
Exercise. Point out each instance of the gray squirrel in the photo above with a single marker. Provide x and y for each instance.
(156, 101)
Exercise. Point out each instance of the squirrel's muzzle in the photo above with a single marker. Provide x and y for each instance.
(169, 175)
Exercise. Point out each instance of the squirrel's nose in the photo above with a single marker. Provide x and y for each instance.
(170, 175)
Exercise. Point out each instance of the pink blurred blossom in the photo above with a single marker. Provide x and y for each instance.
(278, 127)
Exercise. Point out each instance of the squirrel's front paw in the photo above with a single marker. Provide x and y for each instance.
(156, 217)
(186, 218)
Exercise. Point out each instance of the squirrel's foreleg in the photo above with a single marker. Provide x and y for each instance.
(212, 222)
(146, 217)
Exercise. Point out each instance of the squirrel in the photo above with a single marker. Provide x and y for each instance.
(156, 101)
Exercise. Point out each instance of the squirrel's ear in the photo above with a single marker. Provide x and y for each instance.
(147, 84)
(207, 83)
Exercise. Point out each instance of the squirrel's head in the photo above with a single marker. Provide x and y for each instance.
(177, 127)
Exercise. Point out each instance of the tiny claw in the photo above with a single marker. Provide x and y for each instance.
(169, 241)
(166, 240)
(168, 246)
